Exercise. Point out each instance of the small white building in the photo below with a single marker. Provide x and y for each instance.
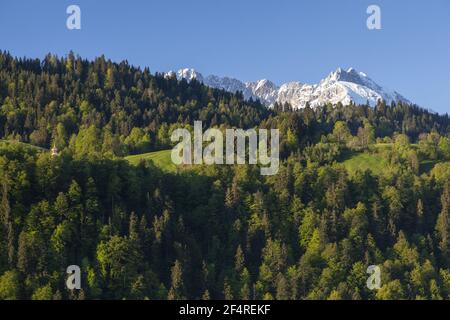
(54, 151)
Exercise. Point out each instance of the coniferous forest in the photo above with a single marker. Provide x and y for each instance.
(357, 186)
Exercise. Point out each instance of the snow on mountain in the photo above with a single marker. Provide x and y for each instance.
(189, 74)
(228, 84)
(295, 93)
(265, 90)
(344, 86)
(351, 85)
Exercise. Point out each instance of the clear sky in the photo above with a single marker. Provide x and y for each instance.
(279, 40)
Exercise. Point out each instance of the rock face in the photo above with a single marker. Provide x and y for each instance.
(344, 86)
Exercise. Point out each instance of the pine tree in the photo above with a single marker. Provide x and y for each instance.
(282, 288)
(239, 260)
(5, 216)
(176, 291)
(442, 225)
(419, 216)
(133, 227)
(23, 254)
(227, 290)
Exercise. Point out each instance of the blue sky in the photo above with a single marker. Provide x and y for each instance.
(249, 40)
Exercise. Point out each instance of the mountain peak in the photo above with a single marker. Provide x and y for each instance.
(341, 86)
(189, 74)
(264, 83)
(341, 74)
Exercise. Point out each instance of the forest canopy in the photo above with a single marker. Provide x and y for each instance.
(212, 232)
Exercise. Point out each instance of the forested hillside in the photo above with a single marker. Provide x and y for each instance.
(212, 232)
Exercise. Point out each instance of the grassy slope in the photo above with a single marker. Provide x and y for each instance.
(26, 145)
(352, 161)
(375, 161)
(365, 161)
(161, 159)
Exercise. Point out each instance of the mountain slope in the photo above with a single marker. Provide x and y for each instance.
(344, 86)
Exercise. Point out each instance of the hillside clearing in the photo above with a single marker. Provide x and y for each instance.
(161, 159)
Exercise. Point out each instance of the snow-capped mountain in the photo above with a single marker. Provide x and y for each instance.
(344, 86)
(265, 90)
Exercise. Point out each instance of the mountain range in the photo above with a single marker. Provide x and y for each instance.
(344, 86)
